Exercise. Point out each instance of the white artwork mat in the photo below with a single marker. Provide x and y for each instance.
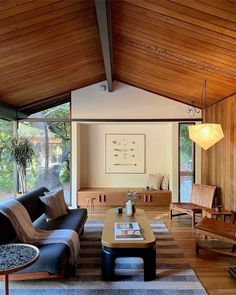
(125, 153)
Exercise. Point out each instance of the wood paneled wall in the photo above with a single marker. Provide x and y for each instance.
(219, 162)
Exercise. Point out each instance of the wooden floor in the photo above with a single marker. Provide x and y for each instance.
(211, 268)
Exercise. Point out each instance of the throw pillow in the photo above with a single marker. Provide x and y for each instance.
(165, 183)
(55, 205)
(154, 181)
(151, 181)
(159, 178)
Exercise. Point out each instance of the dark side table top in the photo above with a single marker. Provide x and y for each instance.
(213, 211)
(14, 257)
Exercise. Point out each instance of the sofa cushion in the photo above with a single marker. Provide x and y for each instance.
(55, 205)
(32, 202)
(52, 258)
(74, 220)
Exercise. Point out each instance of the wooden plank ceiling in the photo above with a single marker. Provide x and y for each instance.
(169, 47)
(47, 47)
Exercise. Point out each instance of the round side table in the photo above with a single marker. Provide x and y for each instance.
(14, 257)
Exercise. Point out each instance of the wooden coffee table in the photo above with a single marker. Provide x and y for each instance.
(112, 248)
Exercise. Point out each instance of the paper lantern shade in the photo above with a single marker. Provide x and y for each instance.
(205, 135)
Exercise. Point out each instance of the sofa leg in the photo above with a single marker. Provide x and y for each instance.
(67, 271)
(82, 232)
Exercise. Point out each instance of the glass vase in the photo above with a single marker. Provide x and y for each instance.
(130, 208)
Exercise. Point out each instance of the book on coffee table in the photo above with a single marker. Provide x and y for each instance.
(127, 231)
(127, 225)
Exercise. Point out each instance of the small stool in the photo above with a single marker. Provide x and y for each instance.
(90, 204)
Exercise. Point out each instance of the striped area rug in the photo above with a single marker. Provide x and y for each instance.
(173, 274)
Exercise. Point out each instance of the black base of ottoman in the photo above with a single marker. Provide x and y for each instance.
(110, 254)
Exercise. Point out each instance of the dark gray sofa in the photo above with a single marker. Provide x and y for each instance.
(53, 260)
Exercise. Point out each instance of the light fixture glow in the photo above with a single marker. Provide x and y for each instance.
(205, 135)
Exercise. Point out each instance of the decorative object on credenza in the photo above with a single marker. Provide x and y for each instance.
(124, 153)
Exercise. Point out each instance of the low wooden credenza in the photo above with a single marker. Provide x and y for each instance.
(113, 197)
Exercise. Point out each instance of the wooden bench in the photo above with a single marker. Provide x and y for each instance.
(202, 196)
(216, 229)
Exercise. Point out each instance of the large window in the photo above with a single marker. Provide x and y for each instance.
(186, 163)
(51, 141)
(50, 136)
(6, 165)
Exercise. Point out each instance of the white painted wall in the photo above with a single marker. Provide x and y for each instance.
(125, 102)
(93, 154)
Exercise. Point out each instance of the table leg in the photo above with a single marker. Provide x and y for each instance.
(149, 264)
(6, 284)
(108, 264)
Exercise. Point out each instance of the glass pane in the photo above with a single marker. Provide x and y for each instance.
(186, 149)
(186, 164)
(186, 183)
(6, 165)
(51, 163)
(58, 112)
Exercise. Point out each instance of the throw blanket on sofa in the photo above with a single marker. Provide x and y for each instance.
(22, 224)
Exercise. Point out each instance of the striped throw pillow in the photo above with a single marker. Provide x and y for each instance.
(165, 183)
(55, 205)
(154, 181)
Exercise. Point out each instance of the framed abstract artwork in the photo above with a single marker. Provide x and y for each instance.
(124, 153)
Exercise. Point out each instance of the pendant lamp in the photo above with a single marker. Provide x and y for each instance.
(207, 134)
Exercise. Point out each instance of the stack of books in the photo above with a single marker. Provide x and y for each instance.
(127, 231)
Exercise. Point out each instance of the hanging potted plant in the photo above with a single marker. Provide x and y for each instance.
(22, 153)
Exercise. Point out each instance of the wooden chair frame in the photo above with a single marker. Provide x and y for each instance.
(202, 196)
(215, 229)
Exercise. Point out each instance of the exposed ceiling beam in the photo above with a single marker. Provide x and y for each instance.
(44, 104)
(9, 113)
(103, 11)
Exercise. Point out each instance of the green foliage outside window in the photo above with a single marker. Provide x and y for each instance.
(6, 168)
(59, 135)
(186, 145)
(62, 131)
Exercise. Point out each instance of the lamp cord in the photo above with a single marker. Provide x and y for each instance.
(203, 96)
(192, 110)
